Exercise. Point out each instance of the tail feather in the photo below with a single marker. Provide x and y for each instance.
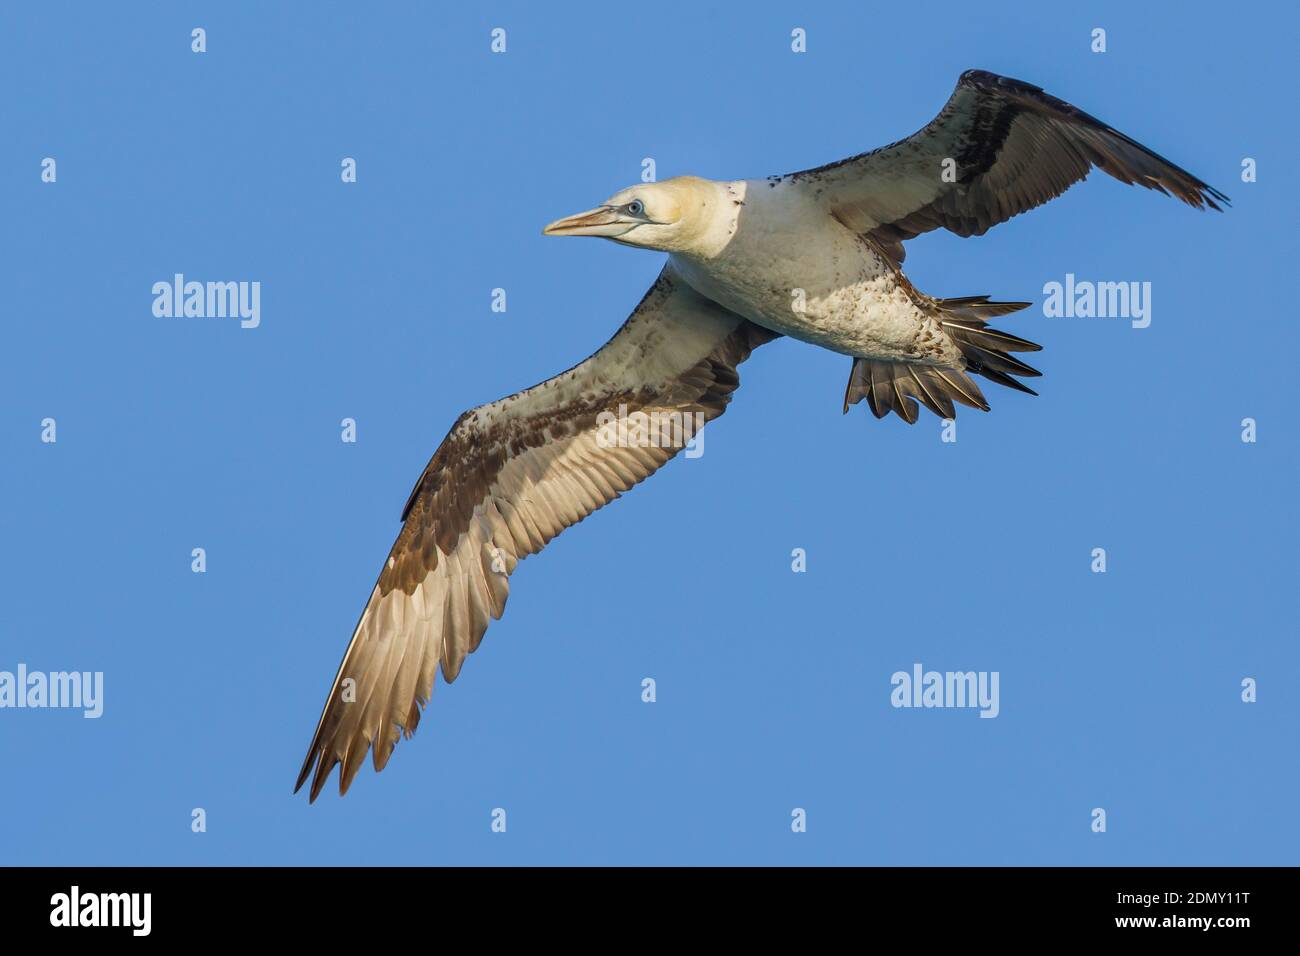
(963, 388)
(992, 339)
(931, 394)
(977, 308)
(899, 386)
(978, 359)
(993, 375)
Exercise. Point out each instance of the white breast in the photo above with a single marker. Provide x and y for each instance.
(782, 262)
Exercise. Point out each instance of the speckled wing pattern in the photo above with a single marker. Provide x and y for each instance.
(1012, 146)
(508, 477)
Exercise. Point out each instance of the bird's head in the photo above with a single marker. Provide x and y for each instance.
(675, 215)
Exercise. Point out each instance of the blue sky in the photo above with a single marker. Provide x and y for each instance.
(1119, 690)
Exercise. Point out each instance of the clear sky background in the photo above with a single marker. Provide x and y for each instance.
(1119, 690)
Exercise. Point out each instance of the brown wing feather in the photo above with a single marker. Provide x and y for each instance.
(508, 477)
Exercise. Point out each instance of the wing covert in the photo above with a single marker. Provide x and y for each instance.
(1012, 147)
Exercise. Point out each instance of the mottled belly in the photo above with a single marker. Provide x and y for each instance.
(844, 299)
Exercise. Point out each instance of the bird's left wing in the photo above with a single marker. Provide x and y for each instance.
(508, 477)
(998, 147)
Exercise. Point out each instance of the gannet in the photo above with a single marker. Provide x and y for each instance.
(815, 255)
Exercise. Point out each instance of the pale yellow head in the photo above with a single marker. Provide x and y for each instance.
(675, 215)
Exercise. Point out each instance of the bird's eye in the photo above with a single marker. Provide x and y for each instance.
(635, 207)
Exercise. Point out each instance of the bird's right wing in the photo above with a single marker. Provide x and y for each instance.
(508, 477)
(998, 147)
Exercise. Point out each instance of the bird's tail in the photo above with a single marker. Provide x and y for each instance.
(898, 386)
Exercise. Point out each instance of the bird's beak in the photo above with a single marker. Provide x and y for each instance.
(602, 221)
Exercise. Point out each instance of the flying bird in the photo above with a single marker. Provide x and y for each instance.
(816, 255)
